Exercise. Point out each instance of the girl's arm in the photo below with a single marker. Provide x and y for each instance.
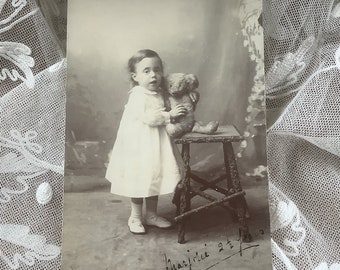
(162, 117)
(135, 109)
(155, 118)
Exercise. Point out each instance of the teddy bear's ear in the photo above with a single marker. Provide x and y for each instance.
(192, 81)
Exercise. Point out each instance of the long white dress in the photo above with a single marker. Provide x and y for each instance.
(144, 160)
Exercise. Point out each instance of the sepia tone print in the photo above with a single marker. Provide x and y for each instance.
(218, 211)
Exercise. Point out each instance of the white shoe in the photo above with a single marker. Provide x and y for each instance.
(157, 221)
(136, 226)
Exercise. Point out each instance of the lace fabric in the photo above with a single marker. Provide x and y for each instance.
(303, 139)
(32, 120)
(302, 62)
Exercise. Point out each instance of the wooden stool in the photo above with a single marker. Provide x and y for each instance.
(233, 194)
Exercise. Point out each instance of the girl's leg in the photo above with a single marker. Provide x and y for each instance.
(135, 219)
(151, 217)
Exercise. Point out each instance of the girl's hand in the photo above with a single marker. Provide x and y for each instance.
(178, 111)
(194, 96)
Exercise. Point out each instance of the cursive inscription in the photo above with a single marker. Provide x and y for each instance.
(196, 258)
(222, 250)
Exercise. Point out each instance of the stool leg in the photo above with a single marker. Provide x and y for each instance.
(184, 204)
(231, 167)
(234, 182)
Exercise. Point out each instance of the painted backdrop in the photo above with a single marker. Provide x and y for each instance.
(218, 40)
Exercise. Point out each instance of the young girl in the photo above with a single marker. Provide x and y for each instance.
(144, 161)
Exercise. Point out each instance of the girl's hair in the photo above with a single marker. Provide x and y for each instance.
(139, 56)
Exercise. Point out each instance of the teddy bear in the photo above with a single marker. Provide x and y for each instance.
(178, 90)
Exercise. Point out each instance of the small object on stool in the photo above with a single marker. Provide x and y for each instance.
(233, 194)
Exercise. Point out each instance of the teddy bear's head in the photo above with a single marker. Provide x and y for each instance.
(181, 83)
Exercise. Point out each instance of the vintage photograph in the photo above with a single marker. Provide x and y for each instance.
(165, 158)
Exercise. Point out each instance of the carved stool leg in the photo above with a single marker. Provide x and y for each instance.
(238, 203)
(184, 204)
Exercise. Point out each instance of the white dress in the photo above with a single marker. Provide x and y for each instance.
(144, 160)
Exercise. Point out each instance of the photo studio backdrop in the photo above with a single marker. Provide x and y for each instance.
(219, 41)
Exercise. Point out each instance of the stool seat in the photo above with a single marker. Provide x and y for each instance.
(227, 133)
(233, 194)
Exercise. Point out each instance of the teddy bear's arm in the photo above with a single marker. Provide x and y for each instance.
(194, 96)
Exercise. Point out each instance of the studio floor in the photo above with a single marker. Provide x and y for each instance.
(96, 236)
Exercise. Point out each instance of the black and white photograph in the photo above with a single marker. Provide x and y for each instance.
(165, 156)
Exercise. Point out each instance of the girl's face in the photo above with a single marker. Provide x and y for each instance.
(148, 73)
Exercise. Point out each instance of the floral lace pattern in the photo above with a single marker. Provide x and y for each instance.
(303, 104)
(18, 54)
(32, 106)
(35, 246)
